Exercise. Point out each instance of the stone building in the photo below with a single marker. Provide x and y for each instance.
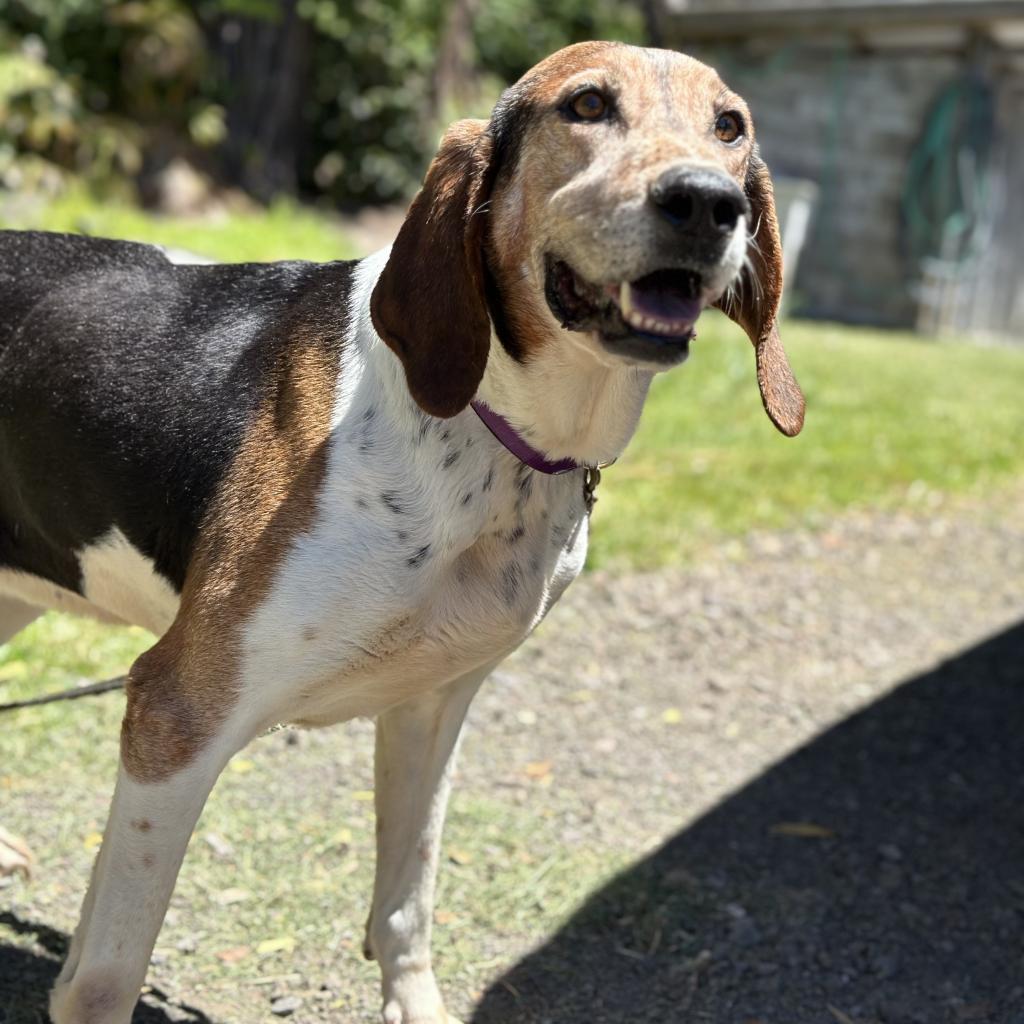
(908, 117)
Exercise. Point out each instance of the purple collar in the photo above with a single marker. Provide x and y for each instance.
(518, 445)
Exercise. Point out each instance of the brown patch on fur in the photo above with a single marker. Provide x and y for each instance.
(429, 304)
(142, 824)
(758, 307)
(181, 690)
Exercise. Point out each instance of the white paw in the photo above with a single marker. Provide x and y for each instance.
(15, 856)
(413, 998)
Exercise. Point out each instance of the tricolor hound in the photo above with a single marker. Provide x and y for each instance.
(352, 488)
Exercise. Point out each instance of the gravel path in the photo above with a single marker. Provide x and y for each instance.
(871, 870)
(810, 747)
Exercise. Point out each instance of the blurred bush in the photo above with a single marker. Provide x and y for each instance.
(338, 98)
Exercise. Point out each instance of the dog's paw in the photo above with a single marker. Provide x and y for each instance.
(413, 998)
(397, 1018)
(15, 856)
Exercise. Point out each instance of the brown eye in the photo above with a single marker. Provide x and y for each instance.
(589, 105)
(729, 127)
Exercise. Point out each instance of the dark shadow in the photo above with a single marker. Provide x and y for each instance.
(908, 910)
(26, 976)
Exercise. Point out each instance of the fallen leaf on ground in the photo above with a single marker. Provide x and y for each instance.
(282, 944)
(92, 840)
(220, 846)
(671, 716)
(234, 954)
(538, 769)
(460, 857)
(974, 1011)
(443, 917)
(802, 830)
(241, 765)
(228, 896)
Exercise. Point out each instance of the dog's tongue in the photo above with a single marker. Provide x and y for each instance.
(667, 295)
(669, 299)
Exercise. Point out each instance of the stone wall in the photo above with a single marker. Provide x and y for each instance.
(848, 121)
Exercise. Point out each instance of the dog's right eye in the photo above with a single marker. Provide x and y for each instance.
(588, 106)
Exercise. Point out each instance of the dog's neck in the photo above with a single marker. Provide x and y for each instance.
(565, 402)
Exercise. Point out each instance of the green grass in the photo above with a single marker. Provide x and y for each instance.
(284, 230)
(891, 419)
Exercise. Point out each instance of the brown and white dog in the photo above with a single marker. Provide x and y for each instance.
(353, 488)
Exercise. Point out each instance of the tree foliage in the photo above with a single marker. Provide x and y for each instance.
(99, 87)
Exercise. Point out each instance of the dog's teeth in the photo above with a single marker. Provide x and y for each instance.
(626, 299)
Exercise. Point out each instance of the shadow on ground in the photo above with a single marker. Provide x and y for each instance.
(26, 976)
(901, 902)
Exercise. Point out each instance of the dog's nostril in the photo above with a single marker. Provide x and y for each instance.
(678, 206)
(725, 213)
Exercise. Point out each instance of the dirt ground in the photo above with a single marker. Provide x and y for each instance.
(782, 786)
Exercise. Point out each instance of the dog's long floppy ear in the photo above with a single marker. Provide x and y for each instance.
(756, 307)
(429, 303)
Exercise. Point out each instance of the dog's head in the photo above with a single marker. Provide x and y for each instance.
(615, 192)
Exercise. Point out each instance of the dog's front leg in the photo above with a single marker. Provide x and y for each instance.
(168, 767)
(416, 744)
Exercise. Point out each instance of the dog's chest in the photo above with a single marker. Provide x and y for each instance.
(412, 576)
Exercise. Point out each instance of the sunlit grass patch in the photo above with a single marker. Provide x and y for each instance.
(890, 419)
(283, 230)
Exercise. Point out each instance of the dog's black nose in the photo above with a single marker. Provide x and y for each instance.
(699, 201)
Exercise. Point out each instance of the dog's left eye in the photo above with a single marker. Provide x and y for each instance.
(589, 105)
(729, 126)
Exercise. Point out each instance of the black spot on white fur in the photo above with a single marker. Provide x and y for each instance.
(419, 557)
(511, 579)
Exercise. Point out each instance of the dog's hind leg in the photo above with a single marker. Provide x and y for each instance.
(164, 778)
(416, 745)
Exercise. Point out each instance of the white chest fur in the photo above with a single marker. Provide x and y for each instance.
(433, 552)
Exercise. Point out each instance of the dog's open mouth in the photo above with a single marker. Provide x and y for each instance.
(658, 310)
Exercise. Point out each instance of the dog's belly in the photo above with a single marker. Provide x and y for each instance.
(119, 586)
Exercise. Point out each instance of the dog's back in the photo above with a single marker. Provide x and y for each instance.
(35, 264)
(126, 382)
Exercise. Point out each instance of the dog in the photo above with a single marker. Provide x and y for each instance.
(351, 489)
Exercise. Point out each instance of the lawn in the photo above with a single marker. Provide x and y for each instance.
(892, 421)
(284, 230)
